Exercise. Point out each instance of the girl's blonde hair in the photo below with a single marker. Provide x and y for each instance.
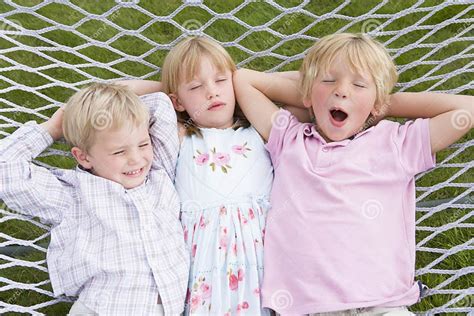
(182, 63)
(98, 107)
(362, 54)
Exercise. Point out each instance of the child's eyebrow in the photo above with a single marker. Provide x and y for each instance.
(192, 81)
(114, 149)
(361, 77)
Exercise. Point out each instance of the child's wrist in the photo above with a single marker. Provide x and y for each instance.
(54, 132)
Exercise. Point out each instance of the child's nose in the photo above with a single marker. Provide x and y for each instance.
(212, 91)
(133, 157)
(341, 91)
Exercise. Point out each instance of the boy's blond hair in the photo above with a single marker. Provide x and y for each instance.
(98, 107)
(361, 52)
(182, 63)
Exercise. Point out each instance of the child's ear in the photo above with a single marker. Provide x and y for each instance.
(176, 103)
(307, 102)
(81, 157)
(377, 111)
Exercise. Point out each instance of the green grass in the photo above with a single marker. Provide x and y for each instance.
(255, 13)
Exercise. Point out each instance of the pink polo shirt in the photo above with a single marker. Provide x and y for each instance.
(341, 232)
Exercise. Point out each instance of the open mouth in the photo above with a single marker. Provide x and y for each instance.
(338, 115)
(134, 173)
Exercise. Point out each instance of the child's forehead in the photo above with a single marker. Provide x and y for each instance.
(205, 64)
(206, 71)
(122, 134)
(345, 64)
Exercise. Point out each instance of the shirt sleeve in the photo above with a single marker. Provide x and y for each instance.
(26, 187)
(282, 122)
(414, 147)
(163, 132)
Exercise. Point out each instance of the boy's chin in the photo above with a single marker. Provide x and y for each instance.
(337, 138)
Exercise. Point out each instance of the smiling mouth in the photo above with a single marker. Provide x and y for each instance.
(134, 172)
(338, 115)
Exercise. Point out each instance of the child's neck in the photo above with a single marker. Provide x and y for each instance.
(223, 126)
(366, 125)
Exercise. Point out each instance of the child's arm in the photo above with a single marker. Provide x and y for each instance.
(298, 110)
(447, 128)
(426, 104)
(163, 132)
(141, 87)
(452, 115)
(253, 90)
(54, 126)
(28, 188)
(407, 104)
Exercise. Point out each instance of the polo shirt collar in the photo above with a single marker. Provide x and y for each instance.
(310, 130)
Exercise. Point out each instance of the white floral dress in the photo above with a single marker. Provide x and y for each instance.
(224, 181)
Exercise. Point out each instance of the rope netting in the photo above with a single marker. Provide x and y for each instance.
(50, 49)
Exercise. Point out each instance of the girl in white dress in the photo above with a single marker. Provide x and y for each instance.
(223, 177)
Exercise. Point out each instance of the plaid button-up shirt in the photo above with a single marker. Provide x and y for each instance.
(119, 250)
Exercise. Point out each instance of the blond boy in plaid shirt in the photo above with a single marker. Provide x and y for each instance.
(116, 239)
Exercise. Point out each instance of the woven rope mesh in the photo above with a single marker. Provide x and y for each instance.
(48, 50)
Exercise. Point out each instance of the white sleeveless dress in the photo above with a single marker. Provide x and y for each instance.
(224, 181)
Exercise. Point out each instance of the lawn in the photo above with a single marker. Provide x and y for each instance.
(48, 50)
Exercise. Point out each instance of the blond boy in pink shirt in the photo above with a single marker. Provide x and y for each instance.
(341, 234)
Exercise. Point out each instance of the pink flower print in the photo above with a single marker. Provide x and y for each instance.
(220, 159)
(227, 314)
(202, 222)
(240, 274)
(234, 248)
(223, 243)
(223, 238)
(205, 290)
(185, 234)
(251, 214)
(240, 217)
(239, 308)
(241, 149)
(194, 250)
(195, 302)
(245, 305)
(223, 210)
(256, 291)
(201, 159)
(233, 282)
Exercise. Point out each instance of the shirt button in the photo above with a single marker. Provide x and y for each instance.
(325, 149)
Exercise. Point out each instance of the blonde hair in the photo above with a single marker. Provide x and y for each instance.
(182, 63)
(98, 107)
(361, 52)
